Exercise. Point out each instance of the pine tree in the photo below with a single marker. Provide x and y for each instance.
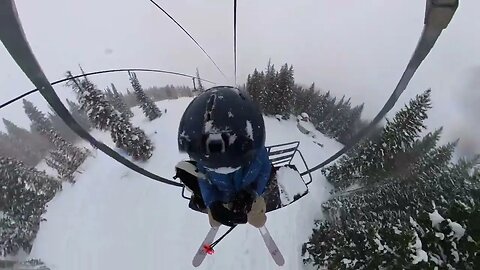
(19, 133)
(79, 115)
(66, 163)
(109, 95)
(253, 86)
(284, 91)
(93, 102)
(268, 94)
(374, 159)
(102, 114)
(38, 119)
(71, 154)
(335, 122)
(277, 94)
(119, 104)
(324, 104)
(304, 100)
(398, 225)
(149, 108)
(171, 92)
(132, 139)
(9, 148)
(351, 125)
(23, 142)
(23, 197)
(398, 220)
(200, 87)
(61, 128)
(41, 124)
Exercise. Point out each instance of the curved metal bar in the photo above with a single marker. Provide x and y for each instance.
(13, 37)
(438, 15)
(103, 72)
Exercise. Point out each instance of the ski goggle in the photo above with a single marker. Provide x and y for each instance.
(217, 143)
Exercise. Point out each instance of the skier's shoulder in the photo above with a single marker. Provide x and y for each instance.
(211, 175)
(262, 156)
(262, 152)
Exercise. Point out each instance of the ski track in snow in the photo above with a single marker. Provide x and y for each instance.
(114, 218)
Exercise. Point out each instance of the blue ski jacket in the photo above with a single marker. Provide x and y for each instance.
(223, 187)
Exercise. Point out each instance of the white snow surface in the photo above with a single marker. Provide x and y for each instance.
(458, 230)
(436, 219)
(308, 126)
(420, 254)
(114, 218)
(290, 184)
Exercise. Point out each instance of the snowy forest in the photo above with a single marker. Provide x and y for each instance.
(277, 94)
(400, 202)
(26, 190)
(399, 199)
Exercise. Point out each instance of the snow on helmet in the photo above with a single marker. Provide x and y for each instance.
(222, 128)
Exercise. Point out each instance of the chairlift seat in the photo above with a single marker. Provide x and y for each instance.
(286, 185)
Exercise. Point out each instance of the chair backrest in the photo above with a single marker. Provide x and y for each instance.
(282, 154)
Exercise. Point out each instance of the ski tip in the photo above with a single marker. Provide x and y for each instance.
(208, 249)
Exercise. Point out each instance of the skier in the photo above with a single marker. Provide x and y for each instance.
(223, 131)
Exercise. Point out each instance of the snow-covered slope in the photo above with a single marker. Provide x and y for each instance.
(113, 218)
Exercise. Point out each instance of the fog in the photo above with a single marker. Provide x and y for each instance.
(356, 48)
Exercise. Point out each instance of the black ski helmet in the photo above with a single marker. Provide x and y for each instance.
(222, 128)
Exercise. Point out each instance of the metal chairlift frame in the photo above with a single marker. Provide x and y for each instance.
(281, 155)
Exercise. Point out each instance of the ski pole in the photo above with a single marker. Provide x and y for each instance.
(209, 248)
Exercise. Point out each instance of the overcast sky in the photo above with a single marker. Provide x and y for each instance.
(356, 48)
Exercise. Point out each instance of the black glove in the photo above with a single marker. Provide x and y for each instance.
(225, 216)
(244, 200)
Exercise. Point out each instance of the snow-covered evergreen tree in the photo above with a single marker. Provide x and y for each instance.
(71, 154)
(374, 159)
(255, 87)
(322, 105)
(104, 116)
(268, 93)
(21, 134)
(132, 139)
(38, 119)
(24, 194)
(61, 128)
(171, 92)
(23, 143)
(284, 91)
(336, 121)
(200, 87)
(100, 112)
(396, 221)
(41, 124)
(66, 163)
(277, 94)
(79, 115)
(304, 100)
(149, 108)
(10, 147)
(351, 125)
(399, 225)
(119, 104)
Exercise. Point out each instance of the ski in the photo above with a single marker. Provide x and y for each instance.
(272, 246)
(204, 249)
